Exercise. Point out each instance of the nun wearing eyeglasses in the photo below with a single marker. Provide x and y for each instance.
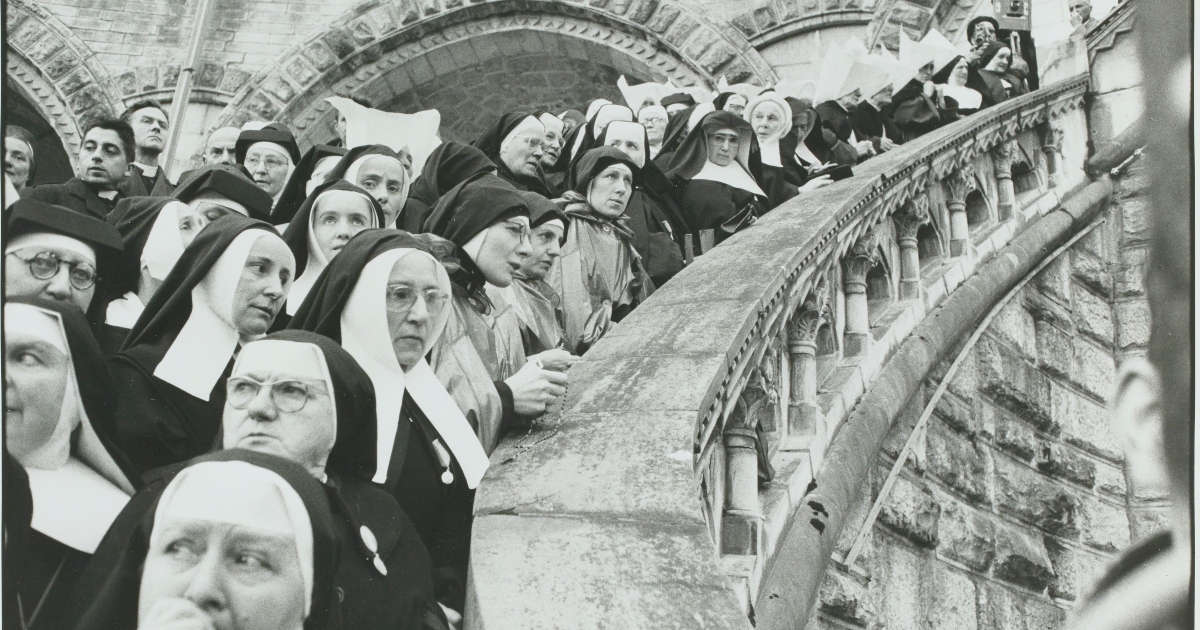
(450, 164)
(599, 275)
(58, 413)
(332, 215)
(303, 397)
(225, 290)
(270, 155)
(387, 285)
(236, 539)
(719, 174)
(57, 254)
(155, 231)
(383, 173)
(515, 145)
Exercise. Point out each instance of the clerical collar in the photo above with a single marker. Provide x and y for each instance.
(148, 171)
(107, 194)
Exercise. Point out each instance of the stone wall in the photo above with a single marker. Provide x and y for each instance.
(1015, 496)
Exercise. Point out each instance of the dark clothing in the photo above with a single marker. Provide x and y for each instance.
(708, 204)
(836, 119)
(450, 164)
(136, 184)
(914, 113)
(45, 583)
(871, 124)
(775, 183)
(74, 194)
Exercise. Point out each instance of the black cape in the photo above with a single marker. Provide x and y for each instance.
(159, 424)
(450, 164)
(871, 124)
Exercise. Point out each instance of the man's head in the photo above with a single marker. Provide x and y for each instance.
(1081, 11)
(221, 147)
(53, 266)
(149, 123)
(18, 154)
(982, 30)
(105, 154)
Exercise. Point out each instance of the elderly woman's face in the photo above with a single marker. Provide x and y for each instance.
(384, 178)
(30, 272)
(958, 76)
(523, 154)
(261, 415)
(804, 120)
(655, 124)
(609, 191)
(35, 381)
(263, 287)
(268, 167)
(723, 146)
(767, 121)
(1000, 61)
(205, 574)
(414, 301)
(546, 242)
(505, 248)
(735, 104)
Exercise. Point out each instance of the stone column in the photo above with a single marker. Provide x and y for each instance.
(1002, 158)
(858, 261)
(959, 184)
(914, 215)
(742, 518)
(1051, 146)
(805, 424)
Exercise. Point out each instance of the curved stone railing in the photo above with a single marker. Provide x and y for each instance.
(656, 496)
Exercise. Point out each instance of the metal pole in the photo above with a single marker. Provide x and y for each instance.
(183, 86)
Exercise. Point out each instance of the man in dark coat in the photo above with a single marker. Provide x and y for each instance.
(146, 177)
(103, 162)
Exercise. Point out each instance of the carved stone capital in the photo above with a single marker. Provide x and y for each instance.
(1052, 137)
(914, 215)
(863, 255)
(959, 184)
(1002, 159)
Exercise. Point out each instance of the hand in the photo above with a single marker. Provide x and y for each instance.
(815, 183)
(886, 144)
(555, 359)
(864, 148)
(452, 616)
(1018, 66)
(929, 88)
(533, 387)
(172, 613)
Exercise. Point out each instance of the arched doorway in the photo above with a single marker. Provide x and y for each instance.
(51, 162)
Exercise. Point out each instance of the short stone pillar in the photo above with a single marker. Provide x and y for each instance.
(959, 184)
(914, 215)
(1051, 146)
(858, 262)
(741, 520)
(1002, 159)
(805, 424)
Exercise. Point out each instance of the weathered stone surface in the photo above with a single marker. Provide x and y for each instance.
(1075, 569)
(957, 414)
(1084, 423)
(1000, 607)
(1094, 369)
(1093, 273)
(1110, 480)
(1131, 275)
(1016, 438)
(1063, 462)
(1133, 324)
(845, 597)
(1046, 309)
(957, 462)
(966, 536)
(897, 585)
(1093, 315)
(1104, 525)
(1014, 324)
(1021, 558)
(1034, 499)
(947, 600)
(912, 512)
(1055, 280)
(1147, 521)
(1014, 385)
(1055, 350)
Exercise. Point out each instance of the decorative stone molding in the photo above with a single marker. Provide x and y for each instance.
(958, 185)
(908, 222)
(667, 37)
(775, 20)
(1002, 160)
(57, 71)
(863, 256)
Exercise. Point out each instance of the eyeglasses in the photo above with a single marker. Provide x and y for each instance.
(288, 396)
(271, 162)
(401, 299)
(46, 265)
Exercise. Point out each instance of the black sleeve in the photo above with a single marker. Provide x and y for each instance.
(509, 416)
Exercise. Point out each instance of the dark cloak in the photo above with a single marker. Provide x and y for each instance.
(673, 136)
(872, 124)
(491, 139)
(231, 182)
(988, 83)
(157, 423)
(293, 191)
(50, 569)
(107, 594)
(450, 164)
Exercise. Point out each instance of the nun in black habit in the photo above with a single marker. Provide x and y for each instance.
(429, 457)
(717, 173)
(154, 240)
(59, 406)
(226, 290)
(450, 164)
(537, 306)
(514, 145)
(158, 564)
(310, 172)
(384, 174)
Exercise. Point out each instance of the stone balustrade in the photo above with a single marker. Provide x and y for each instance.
(658, 494)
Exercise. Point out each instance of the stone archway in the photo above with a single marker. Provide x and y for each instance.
(55, 72)
(400, 58)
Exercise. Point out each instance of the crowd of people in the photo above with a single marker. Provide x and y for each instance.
(263, 395)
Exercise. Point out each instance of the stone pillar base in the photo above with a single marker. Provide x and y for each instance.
(910, 289)
(856, 344)
(740, 533)
(958, 247)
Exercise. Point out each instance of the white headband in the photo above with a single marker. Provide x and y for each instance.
(529, 126)
(631, 131)
(552, 123)
(317, 262)
(274, 147)
(164, 244)
(50, 239)
(241, 494)
(218, 199)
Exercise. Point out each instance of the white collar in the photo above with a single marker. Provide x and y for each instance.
(148, 171)
(731, 174)
(74, 504)
(124, 311)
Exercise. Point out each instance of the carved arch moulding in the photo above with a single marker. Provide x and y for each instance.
(56, 71)
(668, 38)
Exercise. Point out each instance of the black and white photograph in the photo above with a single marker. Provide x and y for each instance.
(598, 315)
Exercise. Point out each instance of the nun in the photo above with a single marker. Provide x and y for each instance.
(654, 118)
(155, 231)
(599, 275)
(592, 134)
(993, 80)
(715, 169)
(303, 397)
(835, 112)
(450, 164)
(388, 285)
(515, 144)
(653, 210)
(488, 221)
(553, 145)
(730, 102)
(332, 215)
(225, 290)
(954, 99)
(870, 120)
(537, 306)
(270, 155)
(168, 561)
(58, 412)
(679, 125)
(914, 109)
(770, 117)
(310, 172)
(58, 254)
(383, 173)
